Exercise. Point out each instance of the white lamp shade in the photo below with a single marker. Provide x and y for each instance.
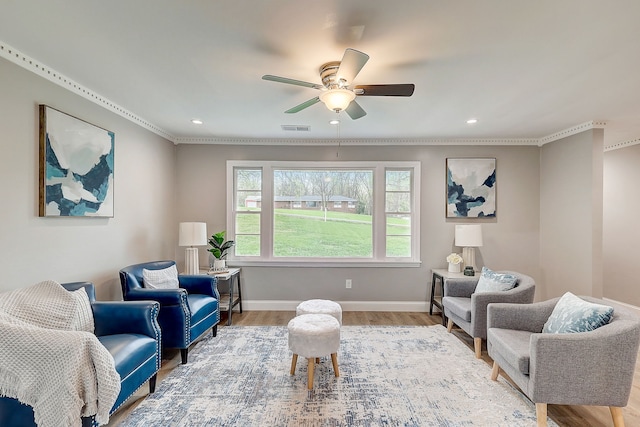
(192, 234)
(337, 99)
(468, 235)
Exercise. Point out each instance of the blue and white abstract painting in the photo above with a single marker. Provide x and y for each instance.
(471, 188)
(76, 166)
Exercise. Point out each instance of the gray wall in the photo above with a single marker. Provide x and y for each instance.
(621, 230)
(549, 222)
(511, 241)
(571, 215)
(33, 249)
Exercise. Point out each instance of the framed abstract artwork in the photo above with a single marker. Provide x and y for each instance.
(76, 167)
(471, 188)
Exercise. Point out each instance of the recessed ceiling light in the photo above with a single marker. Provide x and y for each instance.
(334, 122)
(472, 121)
(196, 121)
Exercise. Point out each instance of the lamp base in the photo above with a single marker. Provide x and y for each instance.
(469, 257)
(191, 262)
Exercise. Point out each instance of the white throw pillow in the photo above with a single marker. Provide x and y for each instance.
(166, 278)
(573, 314)
(490, 281)
(83, 316)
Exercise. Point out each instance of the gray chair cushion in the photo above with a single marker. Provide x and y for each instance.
(513, 345)
(460, 306)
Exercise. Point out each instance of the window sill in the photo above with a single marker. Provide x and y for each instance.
(326, 264)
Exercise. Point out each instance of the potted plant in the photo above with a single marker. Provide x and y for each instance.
(219, 248)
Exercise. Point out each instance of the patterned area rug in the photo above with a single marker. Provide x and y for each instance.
(389, 376)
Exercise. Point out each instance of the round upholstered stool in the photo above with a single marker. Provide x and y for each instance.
(320, 306)
(311, 336)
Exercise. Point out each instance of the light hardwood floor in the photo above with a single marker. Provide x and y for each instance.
(564, 416)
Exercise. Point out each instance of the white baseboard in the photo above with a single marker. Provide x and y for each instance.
(282, 305)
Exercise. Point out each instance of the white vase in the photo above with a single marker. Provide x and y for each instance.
(454, 268)
(220, 264)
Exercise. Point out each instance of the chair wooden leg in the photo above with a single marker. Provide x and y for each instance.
(541, 414)
(311, 364)
(495, 371)
(616, 414)
(152, 383)
(184, 354)
(334, 360)
(317, 360)
(477, 346)
(449, 325)
(294, 360)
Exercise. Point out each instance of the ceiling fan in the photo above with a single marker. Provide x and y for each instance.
(338, 91)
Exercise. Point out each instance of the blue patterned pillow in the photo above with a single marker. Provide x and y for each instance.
(490, 281)
(573, 314)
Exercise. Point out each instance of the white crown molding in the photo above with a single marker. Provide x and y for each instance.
(15, 56)
(622, 145)
(358, 141)
(594, 124)
(22, 60)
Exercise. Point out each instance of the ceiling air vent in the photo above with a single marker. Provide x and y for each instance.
(296, 128)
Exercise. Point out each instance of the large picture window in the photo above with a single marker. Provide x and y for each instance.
(324, 212)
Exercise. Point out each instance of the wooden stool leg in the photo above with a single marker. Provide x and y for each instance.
(294, 360)
(310, 373)
(616, 414)
(541, 414)
(317, 360)
(334, 360)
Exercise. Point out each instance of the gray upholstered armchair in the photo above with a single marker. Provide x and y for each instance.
(581, 368)
(468, 309)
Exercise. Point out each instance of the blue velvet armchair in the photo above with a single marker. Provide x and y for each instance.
(186, 313)
(130, 331)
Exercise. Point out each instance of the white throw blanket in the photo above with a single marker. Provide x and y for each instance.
(47, 363)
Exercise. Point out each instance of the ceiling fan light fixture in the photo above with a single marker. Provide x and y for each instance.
(337, 99)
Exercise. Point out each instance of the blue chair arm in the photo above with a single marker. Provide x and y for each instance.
(200, 284)
(126, 317)
(163, 296)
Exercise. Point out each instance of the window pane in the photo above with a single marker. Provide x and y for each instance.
(247, 223)
(398, 202)
(323, 213)
(249, 179)
(398, 225)
(398, 180)
(398, 246)
(247, 245)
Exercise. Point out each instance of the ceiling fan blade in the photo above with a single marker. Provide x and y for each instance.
(385, 90)
(291, 81)
(355, 111)
(304, 105)
(351, 64)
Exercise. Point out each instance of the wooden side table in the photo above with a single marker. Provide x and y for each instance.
(440, 275)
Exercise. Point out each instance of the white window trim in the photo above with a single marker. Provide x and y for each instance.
(379, 235)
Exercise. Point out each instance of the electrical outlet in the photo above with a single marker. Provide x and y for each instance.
(348, 283)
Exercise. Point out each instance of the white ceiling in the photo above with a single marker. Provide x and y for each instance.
(525, 69)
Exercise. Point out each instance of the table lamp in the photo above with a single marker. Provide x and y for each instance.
(469, 237)
(192, 234)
